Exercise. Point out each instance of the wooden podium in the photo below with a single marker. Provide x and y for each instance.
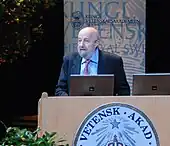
(65, 115)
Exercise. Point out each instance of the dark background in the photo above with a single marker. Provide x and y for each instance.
(22, 82)
(157, 37)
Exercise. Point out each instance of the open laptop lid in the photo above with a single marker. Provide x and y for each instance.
(92, 85)
(151, 84)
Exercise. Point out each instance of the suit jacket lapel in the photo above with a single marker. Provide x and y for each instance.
(101, 63)
(76, 66)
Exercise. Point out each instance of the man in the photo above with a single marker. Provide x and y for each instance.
(98, 62)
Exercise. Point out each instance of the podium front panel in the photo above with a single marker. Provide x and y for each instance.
(65, 115)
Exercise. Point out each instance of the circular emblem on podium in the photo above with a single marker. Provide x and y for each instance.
(116, 124)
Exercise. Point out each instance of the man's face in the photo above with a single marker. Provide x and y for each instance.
(86, 43)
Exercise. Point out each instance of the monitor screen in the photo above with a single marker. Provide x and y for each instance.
(151, 84)
(91, 85)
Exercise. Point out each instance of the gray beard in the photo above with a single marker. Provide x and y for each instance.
(86, 55)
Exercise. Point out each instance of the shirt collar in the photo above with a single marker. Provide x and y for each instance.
(94, 58)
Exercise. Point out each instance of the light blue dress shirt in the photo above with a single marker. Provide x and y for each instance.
(92, 66)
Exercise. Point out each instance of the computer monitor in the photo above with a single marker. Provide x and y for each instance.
(91, 85)
(151, 84)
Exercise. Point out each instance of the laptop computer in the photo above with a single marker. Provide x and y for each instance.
(151, 84)
(91, 85)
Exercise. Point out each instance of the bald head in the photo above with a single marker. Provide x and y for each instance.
(87, 41)
(90, 31)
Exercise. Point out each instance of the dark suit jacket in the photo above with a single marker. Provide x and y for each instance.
(108, 64)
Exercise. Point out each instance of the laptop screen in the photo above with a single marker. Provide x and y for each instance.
(92, 85)
(151, 84)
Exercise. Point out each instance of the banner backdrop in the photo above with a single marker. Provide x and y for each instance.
(121, 25)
